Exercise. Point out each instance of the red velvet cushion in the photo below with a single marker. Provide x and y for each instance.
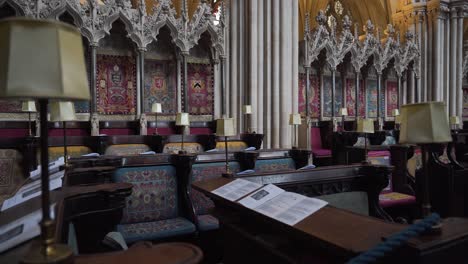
(161, 131)
(321, 152)
(315, 138)
(14, 132)
(58, 132)
(116, 131)
(378, 153)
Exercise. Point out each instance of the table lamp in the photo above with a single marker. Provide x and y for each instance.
(365, 126)
(43, 59)
(156, 108)
(454, 122)
(396, 114)
(225, 128)
(30, 107)
(294, 120)
(247, 111)
(344, 114)
(61, 112)
(424, 124)
(182, 119)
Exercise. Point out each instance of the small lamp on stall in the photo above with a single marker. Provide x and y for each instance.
(156, 109)
(344, 114)
(294, 120)
(247, 111)
(24, 75)
(225, 128)
(424, 124)
(182, 119)
(454, 122)
(29, 107)
(365, 126)
(62, 112)
(396, 115)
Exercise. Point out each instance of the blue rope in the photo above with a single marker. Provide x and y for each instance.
(395, 241)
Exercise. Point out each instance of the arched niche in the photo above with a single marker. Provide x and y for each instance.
(66, 17)
(201, 75)
(116, 73)
(161, 80)
(314, 92)
(392, 93)
(327, 86)
(6, 10)
(371, 86)
(350, 84)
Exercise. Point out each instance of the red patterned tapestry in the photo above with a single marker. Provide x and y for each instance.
(10, 106)
(160, 85)
(200, 89)
(314, 95)
(392, 96)
(116, 84)
(351, 95)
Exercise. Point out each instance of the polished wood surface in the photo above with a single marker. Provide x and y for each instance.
(145, 252)
(334, 235)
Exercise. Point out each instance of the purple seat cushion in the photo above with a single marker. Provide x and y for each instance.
(322, 152)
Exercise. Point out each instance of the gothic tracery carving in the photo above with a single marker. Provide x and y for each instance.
(95, 18)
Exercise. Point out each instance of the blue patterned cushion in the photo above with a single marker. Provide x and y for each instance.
(272, 165)
(207, 171)
(156, 229)
(207, 222)
(154, 194)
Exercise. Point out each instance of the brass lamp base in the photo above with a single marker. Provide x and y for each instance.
(228, 175)
(56, 253)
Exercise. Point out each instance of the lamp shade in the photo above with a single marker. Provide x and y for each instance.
(454, 120)
(295, 119)
(62, 111)
(344, 111)
(41, 59)
(156, 108)
(182, 119)
(424, 123)
(247, 109)
(28, 106)
(365, 126)
(395, 112)
(225, 127)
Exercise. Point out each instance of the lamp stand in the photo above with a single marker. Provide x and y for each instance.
(182, 150)
(343, 123)
(65, 149)
(246, 124)
(29, 124)
(294, 139)
(228, 171)
(48, 251)
(366, 157)
(156, 124)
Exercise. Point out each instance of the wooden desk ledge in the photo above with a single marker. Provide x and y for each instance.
(146, 252)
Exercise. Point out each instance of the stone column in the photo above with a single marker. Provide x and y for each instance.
(295, 56)
(260, 67)
(437, 52)
(276, 74)
(453, 63)
(404, 89)
(356, 96)
(286, 72)
(446, 80)
(140, 81)
(253, 64)
(92, 78)
(267, 108)
(421, 93)
(412, 93)
(459, 58)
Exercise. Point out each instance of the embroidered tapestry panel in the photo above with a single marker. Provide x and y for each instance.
(160, 85)
(200, 89)
(116, 84)
(314, 95)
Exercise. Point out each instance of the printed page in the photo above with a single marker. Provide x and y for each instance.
(290, 208)
(236, 189)
(259, 197)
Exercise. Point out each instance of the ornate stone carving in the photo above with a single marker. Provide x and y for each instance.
(318, 40)
(338, 48)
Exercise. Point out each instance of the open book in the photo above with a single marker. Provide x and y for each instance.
(270, 200)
